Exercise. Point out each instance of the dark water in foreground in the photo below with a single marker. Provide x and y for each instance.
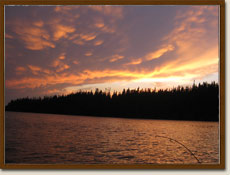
(60, 139)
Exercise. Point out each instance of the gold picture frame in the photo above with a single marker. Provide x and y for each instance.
(220, 3)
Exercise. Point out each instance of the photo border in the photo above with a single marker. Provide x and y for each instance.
(221, 3)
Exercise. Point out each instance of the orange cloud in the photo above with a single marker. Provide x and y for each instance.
(56, 63)
(79, 42)
(8, 36)
(107, 29)
(191, 44)
(152, 55)
(68, 13)
(55, 91)
(75, 62)
(54, 79)
(63, 67)
(59, 65)
(65, 8)
(38, 23)
(174, 71)
(36, 70)
(75, 35)
(190, 24)
(90, 74)
(62, 56)
(115, 11)
(34, 38)
(195, 47)
(62, 31)
(116, 58)
(159, 53)
(206, 59)
(36, 82)
(99, 23)
(81, 39)
(88, 54)
(134, 62)
(196, 57)
(52, 91)
(99, 42)
(20, 69)
(88, 37)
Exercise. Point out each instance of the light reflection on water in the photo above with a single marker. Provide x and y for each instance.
(47, 138)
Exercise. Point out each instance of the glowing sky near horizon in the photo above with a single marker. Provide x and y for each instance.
(61, 49)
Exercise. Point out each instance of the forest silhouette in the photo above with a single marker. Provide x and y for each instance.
(197, 102)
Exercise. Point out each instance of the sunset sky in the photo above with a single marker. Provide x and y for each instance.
(61, 49)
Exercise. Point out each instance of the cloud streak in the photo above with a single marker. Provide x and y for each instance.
(116, 58)
(158, 53)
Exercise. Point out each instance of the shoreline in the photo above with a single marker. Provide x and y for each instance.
(101, 116)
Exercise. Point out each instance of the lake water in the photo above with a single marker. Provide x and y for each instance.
(61, 139)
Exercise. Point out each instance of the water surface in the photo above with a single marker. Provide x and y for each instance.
(61, 139)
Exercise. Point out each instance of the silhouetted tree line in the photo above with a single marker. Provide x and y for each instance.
(199, 102)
